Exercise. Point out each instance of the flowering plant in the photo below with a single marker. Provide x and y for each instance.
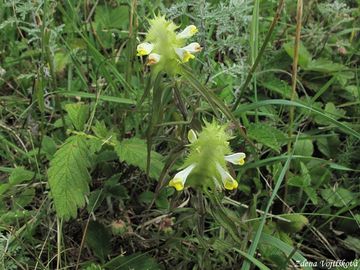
(206, 163)
(167, 48)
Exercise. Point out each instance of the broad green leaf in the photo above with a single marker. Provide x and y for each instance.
(304, 147)
(278, 86)
(286, 248)
(109, 17)
(20, 175)
(352, 243)
(266, 135)
(339, 197)
(98, 239)
(304, 55)
(296, 224)
(69, 177)
(134, 151)
(312, 195)
(324, 66)
(78, 114)
(24, 198)
(331, 110)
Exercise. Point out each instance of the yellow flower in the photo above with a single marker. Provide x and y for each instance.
(228, 181)
(144, 48)
(166, 47)
(188, 32)
(178, 182)
(237, 158)
(184, 55)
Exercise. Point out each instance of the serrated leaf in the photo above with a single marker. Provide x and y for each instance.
(278, 86)
(304, 55)
(134, 151)
(98, 239)
(109, 17)
(296, 224)
(339, 197)
(266, 135)
(69, 177)
(20, 175)
(78, 114)
(304, 147)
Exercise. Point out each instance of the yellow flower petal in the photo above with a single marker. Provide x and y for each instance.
(177, 184)
(144, 48)
(188, 32)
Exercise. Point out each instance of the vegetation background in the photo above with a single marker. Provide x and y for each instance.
(78, 111)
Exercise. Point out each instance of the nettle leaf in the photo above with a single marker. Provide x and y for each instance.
(134, 151)
(339, 197)
(278, 86)
(20, 175)
(304, 147)
(78, 114)
(266, 135)
(98, 239)
(69, 177)
(304, 55)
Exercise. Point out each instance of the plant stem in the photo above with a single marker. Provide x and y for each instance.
(262, 50)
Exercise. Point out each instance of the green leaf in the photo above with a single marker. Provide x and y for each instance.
(286, 248)
(98, 239)
(24, 198)
(69, 177)
(134, 151)
(304, 55)
(296, 224)
(78, 114)
(20, 175)
(312, 195)
(266, 135)
(324, 66)
(118, 100)
(339, 197)
(352, 243)
(109, 17)
(278, 86)
(304, 147)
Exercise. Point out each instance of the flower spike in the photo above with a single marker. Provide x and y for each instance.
(178, 182)
(228, 181)
(237, 158)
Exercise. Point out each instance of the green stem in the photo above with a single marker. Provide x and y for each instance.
(261, 52)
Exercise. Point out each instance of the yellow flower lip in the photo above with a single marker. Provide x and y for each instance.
(184, 55)
(237, 158)
(144, 48)
(188, 32)
(228, 181)
(230, 184)
(178, 182)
